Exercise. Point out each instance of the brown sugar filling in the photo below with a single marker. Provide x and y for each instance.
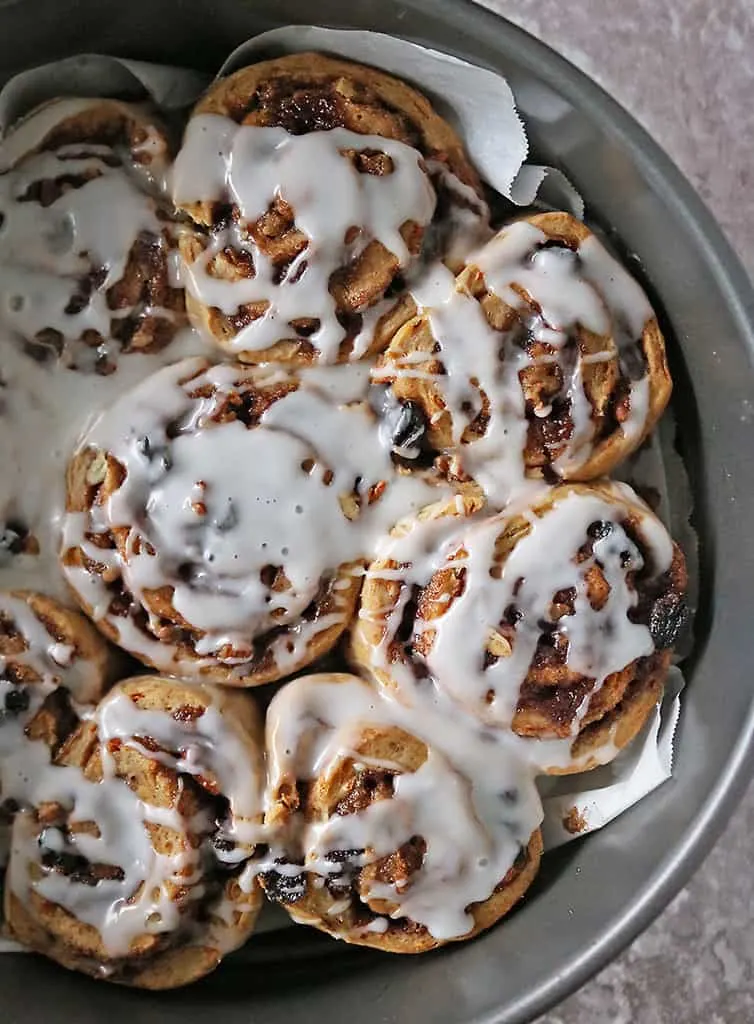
(145, 285)
(302, 106)
(363, 788)
(552, 693)
(543, 385)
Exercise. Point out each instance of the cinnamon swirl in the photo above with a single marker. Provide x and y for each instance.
(542, 359)
(314, 183)
(554, 619)
(397, 831)
(218, 519)
(127, 853)
(86, 245)
(52, 661)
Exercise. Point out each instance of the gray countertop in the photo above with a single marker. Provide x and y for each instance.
(684, 69)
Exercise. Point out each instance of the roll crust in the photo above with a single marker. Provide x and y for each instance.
(304, 93)
(92, 170)
(402, 611)
(209, 911)
(359, 899)
(154, 588)
(621, 384)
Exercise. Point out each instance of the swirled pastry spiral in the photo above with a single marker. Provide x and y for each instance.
(554, 619)
(127, 849)
(314, 184)
(543, 358)
(394, 830)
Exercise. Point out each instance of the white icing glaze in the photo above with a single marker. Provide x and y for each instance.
(250, 166)
(142, 899)
(48, 406)
(587, 288)
(228, 526)
(472, 801)
(601, 640)
(30, 133)
(50, 252)
(54, 664)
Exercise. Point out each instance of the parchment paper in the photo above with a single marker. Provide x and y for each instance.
(477, 102)
(93, 75)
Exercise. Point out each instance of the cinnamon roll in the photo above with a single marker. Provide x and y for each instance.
(554, 619)
(394, 830)
(86, 246)
(219, 517)
(543, 358)
(315, 184)
(52, 661)
(127, 855)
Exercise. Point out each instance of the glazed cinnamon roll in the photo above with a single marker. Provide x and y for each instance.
(127, 855)
(554, 619)
(315, 184)
(52, 661)
(542, 359)
(218, 518)
(86, 247)
(395, 830)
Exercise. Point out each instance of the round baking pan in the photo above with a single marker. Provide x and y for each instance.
(595, 895)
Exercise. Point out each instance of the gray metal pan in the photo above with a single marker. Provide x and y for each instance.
(594, 896)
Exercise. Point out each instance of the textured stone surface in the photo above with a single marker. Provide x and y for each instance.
(695, 964)
(684, 69)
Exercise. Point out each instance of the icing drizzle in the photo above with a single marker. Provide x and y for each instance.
(477, 632)
(250, 167)
(585, 289)
(146, 887)
(219, 537)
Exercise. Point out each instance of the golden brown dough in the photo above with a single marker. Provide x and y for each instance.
(555, 701)
(193, 756)
(348, 903)
(619, 383)
(309, 92)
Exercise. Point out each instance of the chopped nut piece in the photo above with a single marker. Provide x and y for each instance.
(350, 505)
(575, 822)
(97, 470)
(498, 645)
(376, 491)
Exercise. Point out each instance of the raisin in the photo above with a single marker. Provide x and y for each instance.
(599, 529)
(667, 619)
(16, 702)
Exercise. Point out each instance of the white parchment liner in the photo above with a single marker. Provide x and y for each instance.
(466, 95)
(481, 107)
